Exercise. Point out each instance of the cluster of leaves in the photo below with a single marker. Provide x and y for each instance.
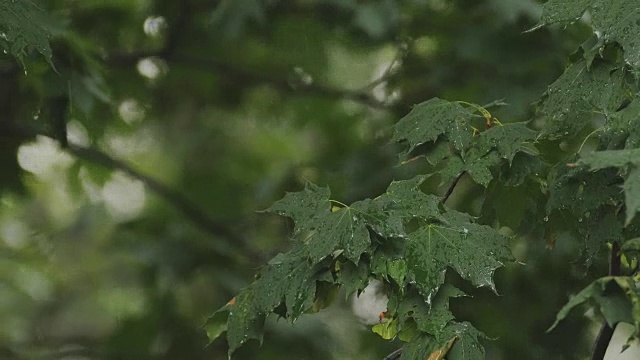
(409, 239)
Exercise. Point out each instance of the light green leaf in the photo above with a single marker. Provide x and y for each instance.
(386, 330)
(611, 20)
(21, 28)
(217, 324)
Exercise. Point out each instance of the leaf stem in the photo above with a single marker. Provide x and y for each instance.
(394, 355)
(606, 331)
(338, 203)
(587, 138)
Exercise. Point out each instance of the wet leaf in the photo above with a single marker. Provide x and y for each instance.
(611, 20)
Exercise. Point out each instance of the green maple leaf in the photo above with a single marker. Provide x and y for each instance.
(611, 20)
(432, 119)
(580, 191)
(474, 251)
(346, 228)
(507, 140)
(430, 317)
(244, 322)
(21, 27)
(614, 297)
(288, 278)
(577, 94)
(466, 344)
(600, 229)
(338, 229)
(486, 153)
(625, 123)
(629, 158)
(404, 201)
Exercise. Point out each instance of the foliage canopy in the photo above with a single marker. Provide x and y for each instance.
(569, 173)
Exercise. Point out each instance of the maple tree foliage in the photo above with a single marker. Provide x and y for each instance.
(411, 239)
(427, 238)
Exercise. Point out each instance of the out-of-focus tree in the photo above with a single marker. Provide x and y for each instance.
(138, 139)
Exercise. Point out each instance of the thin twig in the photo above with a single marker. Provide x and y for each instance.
(389, 71)
(451, 187)
(394, 355)
(244, 76)
(606, 331)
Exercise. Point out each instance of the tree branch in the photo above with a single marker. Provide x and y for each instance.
(245, 76)
(606, 331)
(190, 210)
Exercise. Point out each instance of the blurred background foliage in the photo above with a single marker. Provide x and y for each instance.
(132, 169)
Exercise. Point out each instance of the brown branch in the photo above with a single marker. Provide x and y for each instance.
(246, 76)
(190, 210)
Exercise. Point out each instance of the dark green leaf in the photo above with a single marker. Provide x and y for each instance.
(613, 297)
(431, 119)
(612, 20)
(579, 92)
(620, 158)
(21, 24)
(244, 321)
(474, 251)
(289, 278)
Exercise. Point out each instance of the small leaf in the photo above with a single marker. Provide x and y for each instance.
(292, 280)
(386, 330)
(620, 158)
(612, 295)
(430, 316)
(433, 118)
(244, 322)
(216, 324)
(344, 229)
